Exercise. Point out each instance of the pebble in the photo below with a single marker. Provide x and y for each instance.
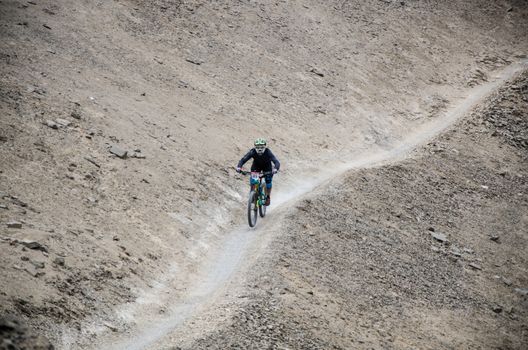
(497, 309)
(137, 154)
(76, 115)
(38, 264)
(59, 261)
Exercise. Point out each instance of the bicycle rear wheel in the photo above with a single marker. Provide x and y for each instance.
(252, 209)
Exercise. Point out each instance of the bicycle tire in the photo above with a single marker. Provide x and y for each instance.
(262, 208)
(252, 209)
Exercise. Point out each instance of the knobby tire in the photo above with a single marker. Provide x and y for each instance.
(252, 209)
(262, 208)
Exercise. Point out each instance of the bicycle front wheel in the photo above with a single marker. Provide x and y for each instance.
(252, 209)
(262, 207)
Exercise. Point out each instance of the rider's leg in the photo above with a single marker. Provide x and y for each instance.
(268, 188)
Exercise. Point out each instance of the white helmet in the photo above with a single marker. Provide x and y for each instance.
(260, 146)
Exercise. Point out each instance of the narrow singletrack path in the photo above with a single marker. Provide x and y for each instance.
(220, 268)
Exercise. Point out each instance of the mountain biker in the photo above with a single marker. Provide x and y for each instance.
(262, 161)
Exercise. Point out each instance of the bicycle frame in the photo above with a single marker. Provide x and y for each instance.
(256, 181)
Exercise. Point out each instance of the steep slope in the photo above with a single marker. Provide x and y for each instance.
(188, 85)
(428, 253)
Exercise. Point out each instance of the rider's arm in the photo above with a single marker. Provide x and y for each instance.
(245, 158)
(274, 160)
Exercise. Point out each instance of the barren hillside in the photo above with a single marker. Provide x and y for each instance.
(428, 253)
(90, 236)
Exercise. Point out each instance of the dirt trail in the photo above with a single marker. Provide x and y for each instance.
(243, 244)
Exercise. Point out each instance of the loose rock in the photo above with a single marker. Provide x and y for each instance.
(14, 224)
(63, 122)
(494, 238)
(38, 264)
(59, 261)
(497, 309)
(475, 266)
(316, 72)
(121, 153)
(522, 291)
(439, 237)
(51, 124)
(33, 245)
(456, 253)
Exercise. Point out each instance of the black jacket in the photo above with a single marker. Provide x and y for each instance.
(262, 162)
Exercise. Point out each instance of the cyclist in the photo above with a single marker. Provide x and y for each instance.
(262, 161)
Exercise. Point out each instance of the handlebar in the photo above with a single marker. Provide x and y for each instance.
(262, 173)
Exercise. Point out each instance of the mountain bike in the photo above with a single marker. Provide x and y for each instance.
(257, 196)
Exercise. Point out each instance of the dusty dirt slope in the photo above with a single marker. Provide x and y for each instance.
(428, 253)
(183, 87)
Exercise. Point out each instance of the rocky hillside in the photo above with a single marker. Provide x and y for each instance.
(120, 122)
(429, 253)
